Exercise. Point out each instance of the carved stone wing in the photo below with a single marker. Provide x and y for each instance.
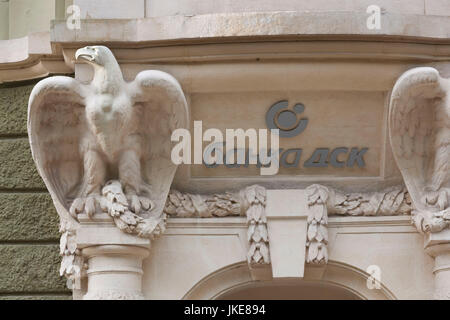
(162, 108)
(414, 131)
(55, 123)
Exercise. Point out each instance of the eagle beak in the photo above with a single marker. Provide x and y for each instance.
(86, 54)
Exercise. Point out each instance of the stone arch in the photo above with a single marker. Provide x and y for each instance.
(335, 274)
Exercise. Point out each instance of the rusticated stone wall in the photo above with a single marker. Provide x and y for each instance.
(29, 261)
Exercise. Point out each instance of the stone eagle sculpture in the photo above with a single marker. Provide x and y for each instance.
(419, 123)
(105, 146)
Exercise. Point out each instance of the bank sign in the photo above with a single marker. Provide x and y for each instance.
(239, 148)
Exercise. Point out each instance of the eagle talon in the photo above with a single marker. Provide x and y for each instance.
(86, 205)
(437, 199)
(138, 204)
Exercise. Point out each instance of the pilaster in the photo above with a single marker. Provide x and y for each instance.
(113, 258)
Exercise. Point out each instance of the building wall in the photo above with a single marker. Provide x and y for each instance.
(29, 261)
(18, 18)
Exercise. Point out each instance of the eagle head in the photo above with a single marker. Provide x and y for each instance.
(107, 74)
(97, 55)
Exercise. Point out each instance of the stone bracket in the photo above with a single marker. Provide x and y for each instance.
(286, 212)
(111, 255)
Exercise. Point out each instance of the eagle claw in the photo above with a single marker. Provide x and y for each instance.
(137, 203)
(437, 199)
(84, 205)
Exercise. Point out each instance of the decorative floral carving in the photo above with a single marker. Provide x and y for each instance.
(324, 201)
(114, 202)
(204, 206)
(391, 202)
(72, 263)
(250, 202)
(257, 235)
(317, 233)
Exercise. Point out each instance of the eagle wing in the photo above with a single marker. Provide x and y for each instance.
(412, 123)
(162, 108)
(56, 121)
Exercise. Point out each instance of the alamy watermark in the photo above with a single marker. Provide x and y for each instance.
(217, 152)
(374, 279)
(373, 22)
(73, 21)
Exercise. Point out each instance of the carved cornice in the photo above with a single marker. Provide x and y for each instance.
(30, 57)
(256, 26)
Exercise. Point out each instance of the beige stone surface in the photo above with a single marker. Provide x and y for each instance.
(437, 7)
(20, 49)
(27, 16)
(286, 223)
(233, 61)
(199, 253)
(397, 250)
(255, 24)
(195, 7)
(207, 248)
(111, 9)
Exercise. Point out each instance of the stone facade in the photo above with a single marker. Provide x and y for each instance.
(29, 237)
(369, 219)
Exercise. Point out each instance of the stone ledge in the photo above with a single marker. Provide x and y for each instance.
(256, 25)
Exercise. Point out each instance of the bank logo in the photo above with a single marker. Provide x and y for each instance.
(286, 120)
(241, 148)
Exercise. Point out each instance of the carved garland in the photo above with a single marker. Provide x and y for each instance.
(257, 235)
(317, 233)
(72, 266)
(324, 201)
(250, 202)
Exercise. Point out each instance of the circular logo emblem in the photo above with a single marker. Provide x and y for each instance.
(286, 120)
